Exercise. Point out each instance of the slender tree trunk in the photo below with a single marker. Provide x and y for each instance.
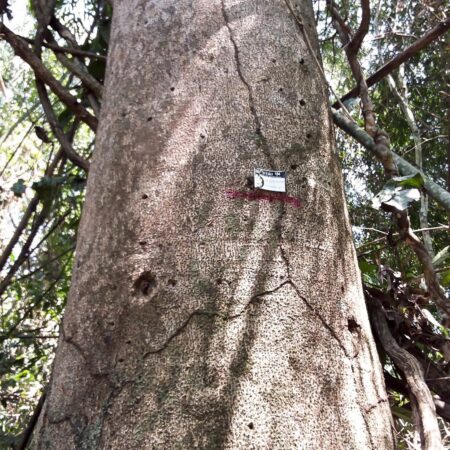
(199, 318)
(400, 92)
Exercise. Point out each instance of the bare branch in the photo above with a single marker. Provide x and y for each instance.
(380, 137)
(27, 214)
(72, 51)
(24, 251)
(42, 73)
(395, 62)
(431, 280)
(19, 230)
(435, 191)
(357, 40)
(421, 399)
(77, 69)
(27, 433)
(57, 130)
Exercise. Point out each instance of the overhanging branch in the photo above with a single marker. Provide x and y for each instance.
(42, 73)
(395, 62)
(435, 191)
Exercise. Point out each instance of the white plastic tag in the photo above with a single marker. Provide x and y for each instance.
(270, 180)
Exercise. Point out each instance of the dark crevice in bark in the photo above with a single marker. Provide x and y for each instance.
(69, 340)
(179, 330)
(323, 321)
(256, 297)
(285, 260)
(206, 313)
(366, 423)
(251, 101)
(371, 407)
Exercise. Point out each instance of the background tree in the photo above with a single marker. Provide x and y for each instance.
(37, 258)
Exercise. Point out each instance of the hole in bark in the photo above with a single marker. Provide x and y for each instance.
(308, 136)
(294, 166)
(149, 119)
(144, 196)
(302, 102)
(123, 113)
(280, 89)
(219, 281)
(251, 426)
(352, 325)
(172, 282)
(302, 61)
(121, 360)
(145, 283)
(274, 60)
(128, 341)
(142, 242)
(202, 136)
(172, 88)
(113, 287)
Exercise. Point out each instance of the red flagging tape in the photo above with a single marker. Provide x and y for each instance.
(260, 195)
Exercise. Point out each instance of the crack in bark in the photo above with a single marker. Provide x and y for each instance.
(255, 297)
(285, 260)
(199, 312)
(75, 345)
(251, 101)
(92, 372)
(178, 331)
(371, 407)
(322, 320)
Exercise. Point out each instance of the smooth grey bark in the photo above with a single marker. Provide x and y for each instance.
(196, 320)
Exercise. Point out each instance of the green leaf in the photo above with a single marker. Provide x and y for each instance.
(48, 182)
(19, 187)
(401, 413)
(445, 278)
(410, 181)
(369, 272)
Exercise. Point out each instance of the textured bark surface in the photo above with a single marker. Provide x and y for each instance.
(201, 321)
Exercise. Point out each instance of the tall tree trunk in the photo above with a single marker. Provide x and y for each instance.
(198, 319)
